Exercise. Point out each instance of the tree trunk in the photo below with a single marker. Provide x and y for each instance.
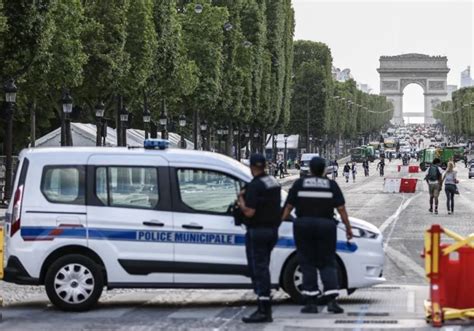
(32, 107)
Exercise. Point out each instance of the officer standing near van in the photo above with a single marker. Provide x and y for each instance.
(260, 204)
(315, 232)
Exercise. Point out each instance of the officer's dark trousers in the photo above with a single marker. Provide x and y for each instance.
(259, 243)
(316, 240)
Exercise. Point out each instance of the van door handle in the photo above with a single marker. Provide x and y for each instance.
(154, 223)
(192, 226)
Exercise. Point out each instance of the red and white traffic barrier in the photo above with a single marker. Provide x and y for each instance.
(400, 185)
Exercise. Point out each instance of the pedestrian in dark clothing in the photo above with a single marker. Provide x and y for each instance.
(260, 204)
(315, 232)
(434, 179)
(281, 167)
(346, 171)
(354, 171)
(365, 165)
(336, 167)
(381, 166)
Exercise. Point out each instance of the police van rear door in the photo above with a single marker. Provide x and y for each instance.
(129, 217)
(209, 248)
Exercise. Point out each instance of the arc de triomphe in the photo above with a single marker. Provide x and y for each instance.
(430, 72)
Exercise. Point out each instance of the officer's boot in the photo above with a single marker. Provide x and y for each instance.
(311, 305)
(263, 314)
(333, 307)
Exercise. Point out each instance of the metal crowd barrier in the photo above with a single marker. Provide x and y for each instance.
(450, 271)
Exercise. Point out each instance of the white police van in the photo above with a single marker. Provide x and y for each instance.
(84, 218)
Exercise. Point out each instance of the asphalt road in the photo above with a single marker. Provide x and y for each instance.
(397, 304)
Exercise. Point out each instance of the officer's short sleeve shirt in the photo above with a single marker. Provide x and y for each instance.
(315, 197)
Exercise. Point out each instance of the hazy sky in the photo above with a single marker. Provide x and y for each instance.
(359, 32)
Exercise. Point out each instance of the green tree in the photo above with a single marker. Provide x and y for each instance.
(104, 40)
(65, 58)
(174, 74)
(204, 39)
(25, 36)
(141, 45)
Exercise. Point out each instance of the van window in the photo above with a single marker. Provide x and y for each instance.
(129, 187)
(207, 190)
(63, 184)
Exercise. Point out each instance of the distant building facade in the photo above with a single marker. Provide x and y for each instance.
(466, 79)
(451, 89)
(341, 75)
(364, 87)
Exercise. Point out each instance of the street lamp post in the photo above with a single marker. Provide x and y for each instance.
(146, 121)
(285, 156)
(153, 130)
(163, 123)
(247, 140)
(203, 127)
(255, 141)
(67, 110)
(225, 137)
(310, 144)
(236, 141)
(10, 90)
(219, 139)
(124, 115)
(182, 124)
(99, 116)
(198, 8)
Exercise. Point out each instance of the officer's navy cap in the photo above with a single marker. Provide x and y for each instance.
(317, 165)
(257, 160)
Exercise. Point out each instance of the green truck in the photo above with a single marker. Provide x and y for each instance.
(446, 154)
(362, 153)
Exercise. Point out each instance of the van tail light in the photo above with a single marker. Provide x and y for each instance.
(16, 213)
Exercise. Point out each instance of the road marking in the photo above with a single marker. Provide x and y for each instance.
(394, 217)
(233, 317)
(403, 259)
(411, 302)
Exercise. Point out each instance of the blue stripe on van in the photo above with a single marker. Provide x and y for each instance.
(203, 238)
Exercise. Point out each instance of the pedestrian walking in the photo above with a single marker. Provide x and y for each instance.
(336, 165)
(434, 179)
(334, 170)
(381, 166)
(346, 171)
(365, 165)
(281, 168)
(354, 171)
(260, 202)
(450, 186)
(315, 233)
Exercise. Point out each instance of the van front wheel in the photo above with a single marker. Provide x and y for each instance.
(74, 283)
(293, 280)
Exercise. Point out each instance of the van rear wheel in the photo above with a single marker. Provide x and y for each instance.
(74, 283)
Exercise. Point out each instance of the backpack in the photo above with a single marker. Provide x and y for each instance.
(433, 174)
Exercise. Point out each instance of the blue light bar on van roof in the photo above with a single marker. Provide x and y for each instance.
(156, 144)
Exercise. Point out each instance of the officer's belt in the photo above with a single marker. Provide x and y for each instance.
(315, 219)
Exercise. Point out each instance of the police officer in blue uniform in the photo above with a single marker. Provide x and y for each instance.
(315, 232)
(260, 204)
